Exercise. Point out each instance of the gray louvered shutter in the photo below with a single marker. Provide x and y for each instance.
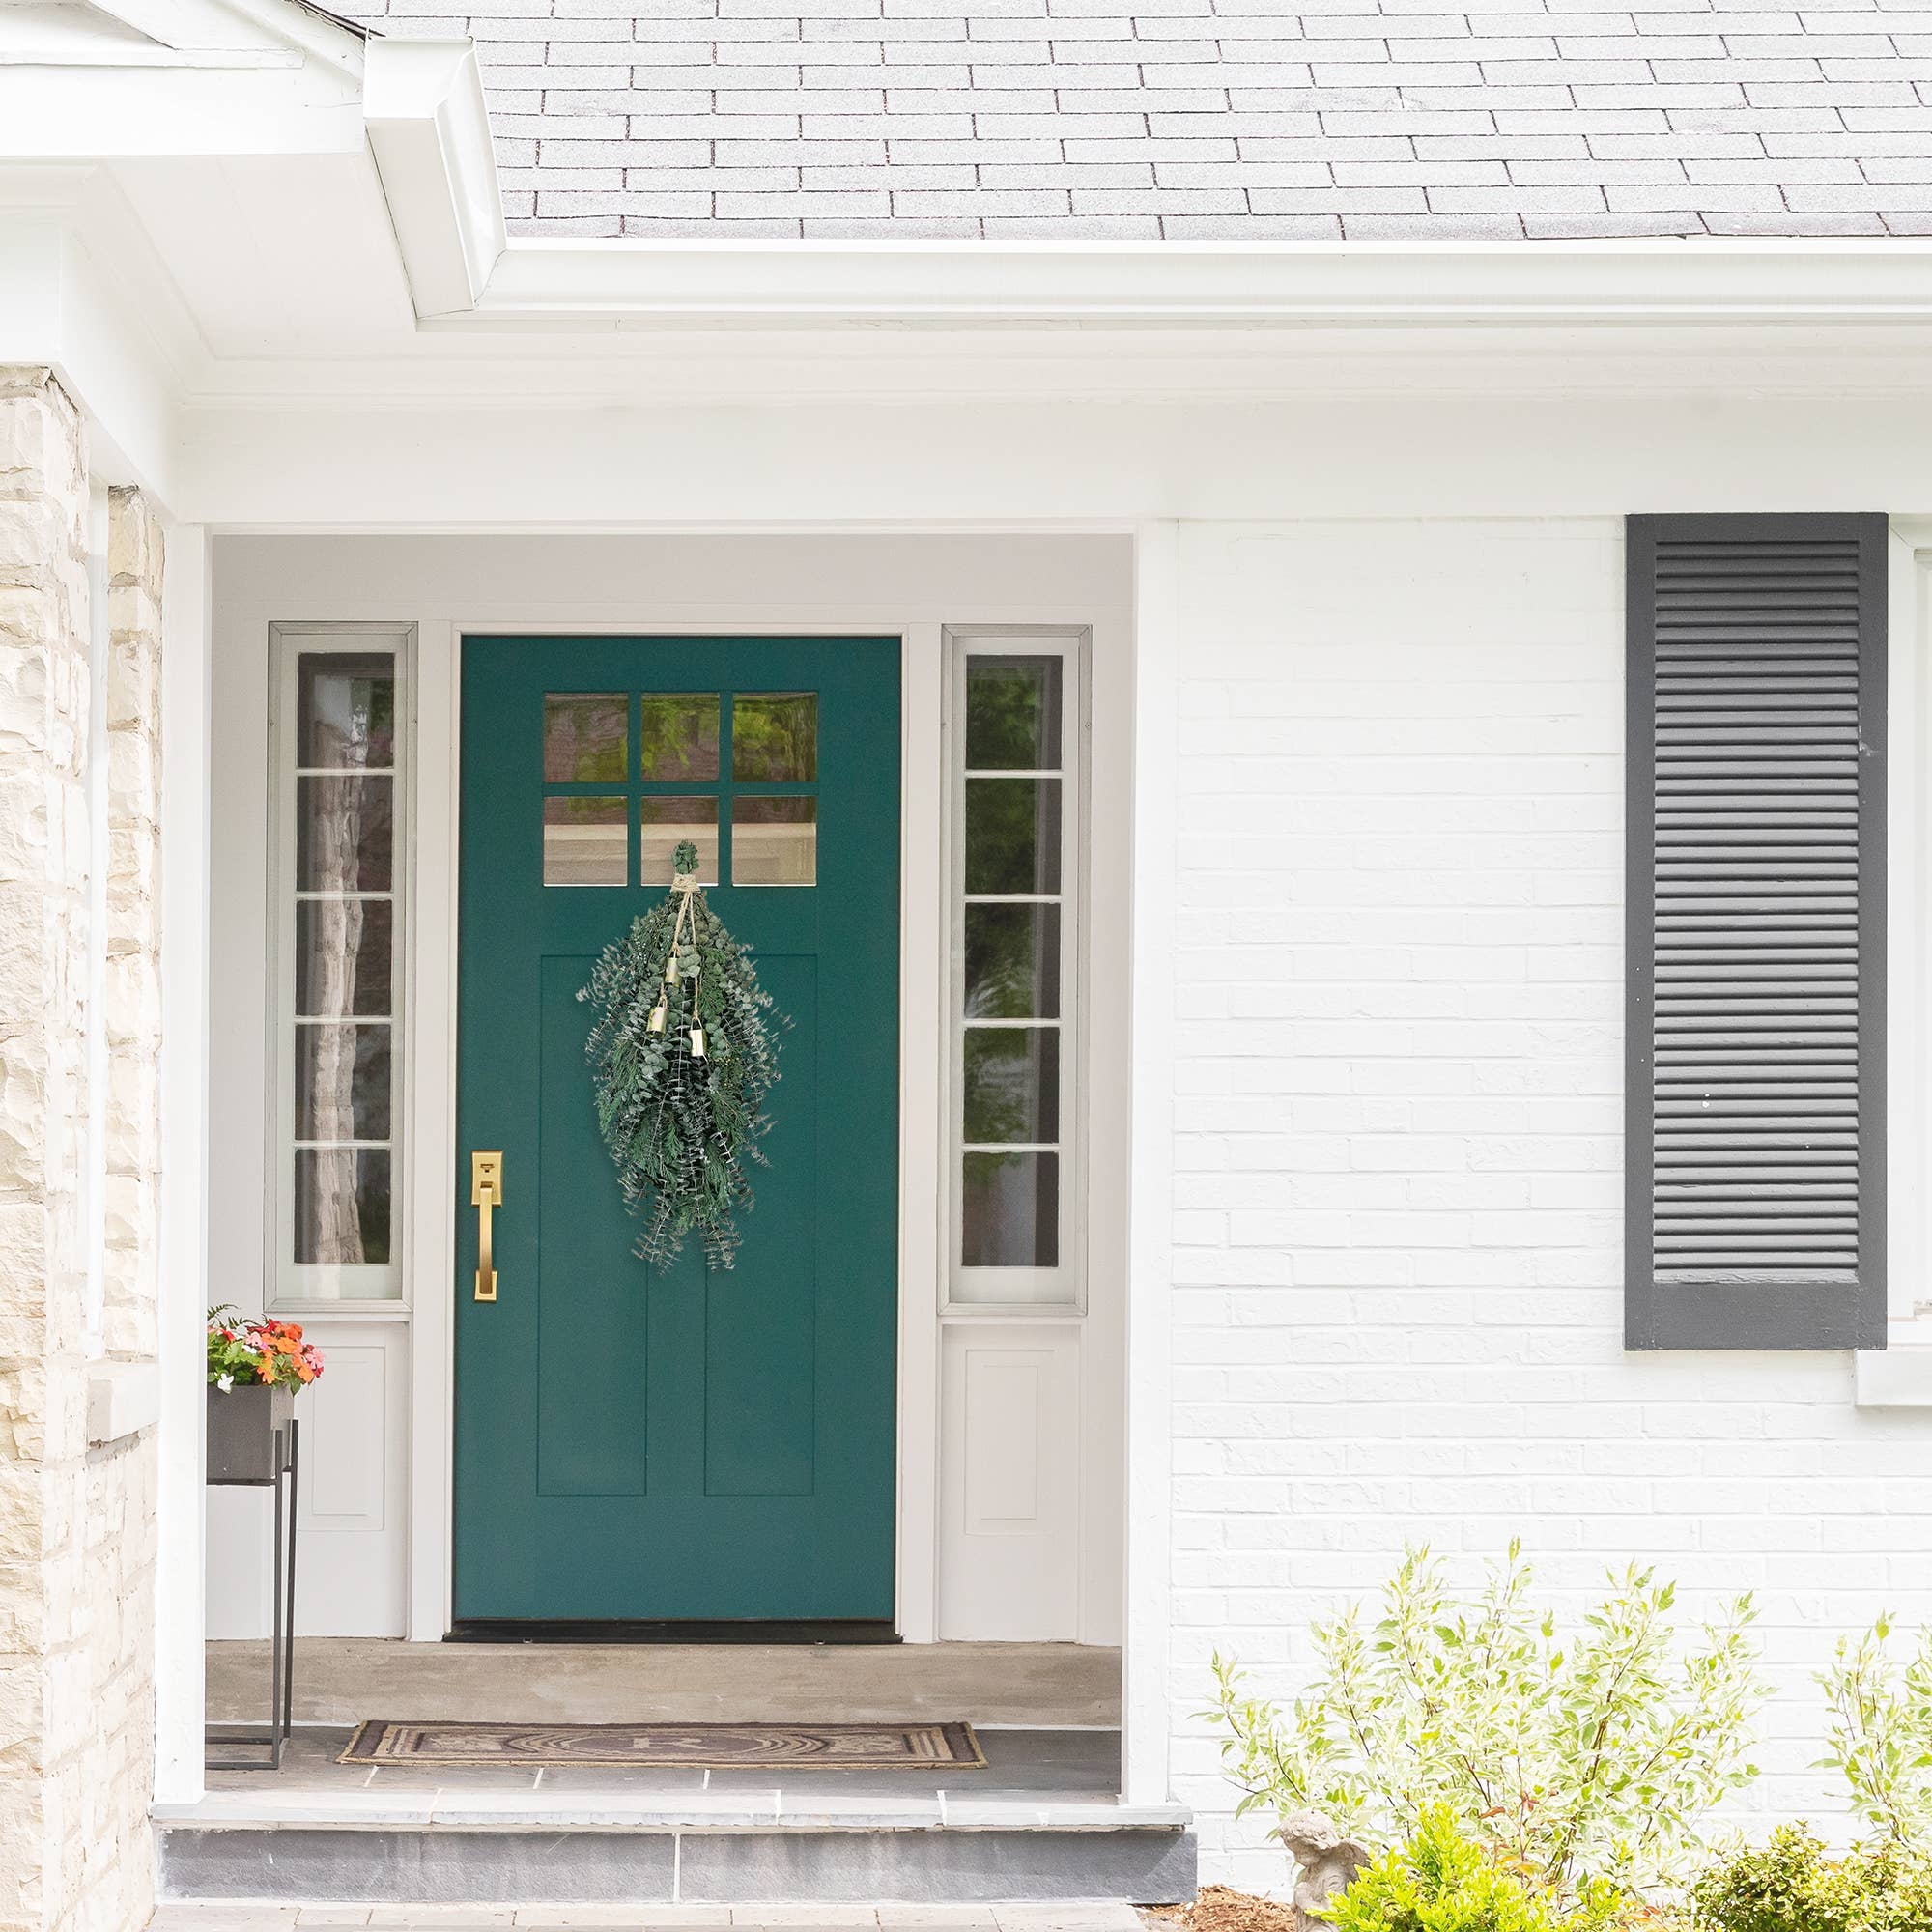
(1755, 1112)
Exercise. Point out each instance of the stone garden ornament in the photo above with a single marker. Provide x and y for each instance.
(1329, 1864)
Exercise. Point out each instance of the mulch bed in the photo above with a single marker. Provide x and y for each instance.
(1219, 1908)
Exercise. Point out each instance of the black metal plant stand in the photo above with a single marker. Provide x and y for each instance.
(282, 1641)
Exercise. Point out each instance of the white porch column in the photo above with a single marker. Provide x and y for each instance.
(1146, 1720)
(180, 1619)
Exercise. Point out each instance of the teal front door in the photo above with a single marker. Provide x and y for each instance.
(644, 1444)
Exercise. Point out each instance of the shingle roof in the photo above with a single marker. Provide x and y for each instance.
(1223, 119)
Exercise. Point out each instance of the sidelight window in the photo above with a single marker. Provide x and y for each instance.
(337, 915)
(1016, 812)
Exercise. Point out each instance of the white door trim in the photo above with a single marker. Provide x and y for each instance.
(432, 1056)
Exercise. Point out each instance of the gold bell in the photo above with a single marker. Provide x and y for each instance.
(671, 971)
(656, 1022)
(698, 1042)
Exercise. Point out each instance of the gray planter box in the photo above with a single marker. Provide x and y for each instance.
(241, 1425)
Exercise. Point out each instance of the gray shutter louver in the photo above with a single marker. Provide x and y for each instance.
(1756, 1100)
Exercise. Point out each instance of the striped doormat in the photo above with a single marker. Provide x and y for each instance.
(672, 1746)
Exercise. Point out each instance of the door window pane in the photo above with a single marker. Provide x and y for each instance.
(774, 841)
(1012, 714)
(1012, 836)
(585, 841)
(1011, 1210)
(667, 822)
(1013, 962)
(345, 710)
(342, 1207)
(1011, 1084)
(679, 736)
(775, 737)
(342, 1082)
(343, 957)
(345, 834)
(584, 736)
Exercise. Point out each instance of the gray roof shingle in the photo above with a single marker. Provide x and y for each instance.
(1203, 118)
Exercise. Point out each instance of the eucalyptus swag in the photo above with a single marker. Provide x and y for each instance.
(683, 1058)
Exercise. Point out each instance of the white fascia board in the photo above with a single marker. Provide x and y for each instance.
(805, 284)
(102, 113)
(422, 103)
(242, 28)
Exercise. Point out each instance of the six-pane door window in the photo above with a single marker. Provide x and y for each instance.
(660, 753)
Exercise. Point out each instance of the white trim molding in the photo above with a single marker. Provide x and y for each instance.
(1898, 1376)
(122, 1398)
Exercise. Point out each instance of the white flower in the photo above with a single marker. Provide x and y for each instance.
(224, 1382)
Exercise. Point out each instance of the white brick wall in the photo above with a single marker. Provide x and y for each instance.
(1397, 1142)
(1251, 118)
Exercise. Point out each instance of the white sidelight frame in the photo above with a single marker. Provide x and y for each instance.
(1062, 1289)
(294, 1288)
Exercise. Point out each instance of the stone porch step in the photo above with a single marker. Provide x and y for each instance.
(265, 1916)
(971, 1853)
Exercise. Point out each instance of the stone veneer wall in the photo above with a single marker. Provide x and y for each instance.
(77, 1519)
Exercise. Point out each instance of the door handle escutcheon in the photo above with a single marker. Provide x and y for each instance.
(485, 1191)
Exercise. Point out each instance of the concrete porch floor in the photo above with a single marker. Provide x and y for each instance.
(1031, 1777)
(345, 1680)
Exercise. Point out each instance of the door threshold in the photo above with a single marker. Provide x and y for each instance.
(638, 1629)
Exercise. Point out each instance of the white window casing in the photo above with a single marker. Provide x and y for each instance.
(337, 1241)
(997, 1257)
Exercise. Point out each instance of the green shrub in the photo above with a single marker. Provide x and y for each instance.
(1591, 1756)
(1791, 1884)
(1440, 1881)
(1880, 1736)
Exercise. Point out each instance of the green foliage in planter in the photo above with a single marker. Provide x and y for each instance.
(1440, 1881)
(1579, 1758)
(1879, 1737)
(1791, 1884)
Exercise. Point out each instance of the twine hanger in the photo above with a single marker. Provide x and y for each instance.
(683, 883)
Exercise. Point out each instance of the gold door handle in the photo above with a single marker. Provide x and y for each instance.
(485, 1191)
